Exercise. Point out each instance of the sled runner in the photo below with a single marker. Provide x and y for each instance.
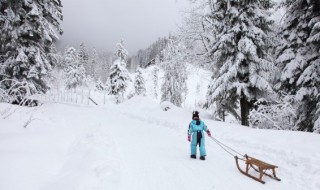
(259, 166)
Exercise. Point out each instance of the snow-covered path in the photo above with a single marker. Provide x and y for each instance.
(138, 146)
(155, 157)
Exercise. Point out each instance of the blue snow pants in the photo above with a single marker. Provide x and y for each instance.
(197, 137)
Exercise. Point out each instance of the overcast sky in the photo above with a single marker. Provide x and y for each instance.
(102, 23)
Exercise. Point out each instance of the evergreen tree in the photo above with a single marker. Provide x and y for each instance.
(84, 58)
(119, 75)
(155, 81)
(139, 84)
(121, 53)
(28, 33)
(100, 86)
(75, 72)
(174, 87)
(94, 64)
(239, 50)
(119, 78)
(299, 60)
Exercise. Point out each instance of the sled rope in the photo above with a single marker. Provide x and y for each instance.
(225, 148)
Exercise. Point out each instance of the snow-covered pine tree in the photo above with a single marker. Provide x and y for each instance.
(100, 86)
(299, 60)
(239, 50)
(94, 64)
(174, 87)
(155, 81)
(84, 57)
(28, 33)
(139, 83)
(119, 75)
(121, 53)
(75, 72)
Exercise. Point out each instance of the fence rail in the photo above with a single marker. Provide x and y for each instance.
(79, 96)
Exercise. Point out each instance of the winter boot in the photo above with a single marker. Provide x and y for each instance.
(202, 158)
(193, 156)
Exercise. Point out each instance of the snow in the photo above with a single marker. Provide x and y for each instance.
(137, 145)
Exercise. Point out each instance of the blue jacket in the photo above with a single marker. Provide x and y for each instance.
(193, 127)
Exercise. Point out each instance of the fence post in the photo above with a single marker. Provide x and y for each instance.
(82, 96)
(104, 97)
(57, 95)
(75, 91)
(71, 96)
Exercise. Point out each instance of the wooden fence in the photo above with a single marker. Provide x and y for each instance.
(78, 96)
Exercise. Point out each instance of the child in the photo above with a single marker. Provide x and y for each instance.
(196, 128)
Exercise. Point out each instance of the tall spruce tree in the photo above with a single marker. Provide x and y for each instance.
(93, 72)
(155, 81)
(299, 60)
(239, 50)
(139, 83)
(100, 86)
(121, 53)
(119, 75)
(84, 58)
(28, 33)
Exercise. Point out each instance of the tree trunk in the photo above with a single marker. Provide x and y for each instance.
(223, 116)
(245, 107)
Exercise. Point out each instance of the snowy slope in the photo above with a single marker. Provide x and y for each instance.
(136, 145)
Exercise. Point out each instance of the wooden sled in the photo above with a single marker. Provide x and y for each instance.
(259, 166)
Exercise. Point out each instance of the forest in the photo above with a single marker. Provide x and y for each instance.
(265, 70)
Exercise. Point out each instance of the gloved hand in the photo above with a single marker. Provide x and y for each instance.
(189, 138)
(209, 133)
